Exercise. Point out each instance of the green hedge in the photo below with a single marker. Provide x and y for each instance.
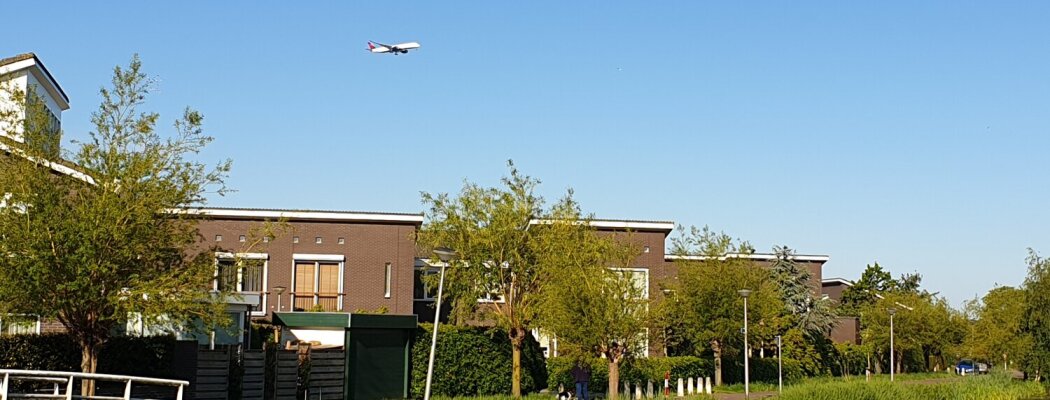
(140, 356)
(472, 361)
(638, 370)
(762, 370)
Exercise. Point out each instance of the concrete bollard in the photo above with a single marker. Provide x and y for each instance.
(626, 390)
(681, 387)
(649, 390)
(689, 388)
(707, 385)
(638, 391)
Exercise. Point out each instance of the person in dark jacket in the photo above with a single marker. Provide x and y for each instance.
(581, 374)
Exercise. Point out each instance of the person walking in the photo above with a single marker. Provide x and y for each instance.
(581, 374)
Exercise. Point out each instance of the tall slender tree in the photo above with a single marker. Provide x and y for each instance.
(94, 248)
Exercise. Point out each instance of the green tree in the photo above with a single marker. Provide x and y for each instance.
(509, 243)
(94, 250)
(865, 291)
(1037, 315)
(997, 332)
(706, 312)
(594, 303)
(812, 315)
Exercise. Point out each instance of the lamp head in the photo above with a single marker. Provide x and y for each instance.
(744, 292)
(279, 290)
(892, 310)
(445, 254)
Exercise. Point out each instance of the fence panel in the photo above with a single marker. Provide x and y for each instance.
(254, 375)
(213, 372)
(287, 374)
(327, 369)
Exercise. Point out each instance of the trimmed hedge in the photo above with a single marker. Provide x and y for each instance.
(762, 370)
(638, 370)
(472, 361)
(140, 356)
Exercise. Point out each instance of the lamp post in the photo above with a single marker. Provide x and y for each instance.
(892, 365)
(780, 367)
(446, 255)
(747, 368)
(279, 290)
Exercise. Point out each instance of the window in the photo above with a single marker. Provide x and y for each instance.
(218, 238)
(419, 290)
(241, 239)
(386, 281)
(640, 276)
(318, 286)
(295, 239)
(16, 324)
(318, 240)
(341, 241)
(242, 273)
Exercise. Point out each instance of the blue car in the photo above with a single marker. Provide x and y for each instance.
(966, 366)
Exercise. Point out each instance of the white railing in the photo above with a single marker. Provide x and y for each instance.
(66, 379)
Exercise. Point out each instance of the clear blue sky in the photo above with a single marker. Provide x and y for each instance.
(910, 133)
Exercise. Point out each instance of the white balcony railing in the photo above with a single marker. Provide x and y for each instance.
(65, 380)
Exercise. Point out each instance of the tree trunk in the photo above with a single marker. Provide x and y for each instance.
(614, 380)
(88, 364)
(517, 338)
(716, 348)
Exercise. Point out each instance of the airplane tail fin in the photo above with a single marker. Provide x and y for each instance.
(371, 46)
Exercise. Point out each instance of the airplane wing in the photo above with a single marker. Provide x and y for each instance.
(380, 44)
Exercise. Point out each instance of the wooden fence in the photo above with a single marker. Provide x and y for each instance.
(213, 374)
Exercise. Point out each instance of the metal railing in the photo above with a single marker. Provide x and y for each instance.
(60, 379)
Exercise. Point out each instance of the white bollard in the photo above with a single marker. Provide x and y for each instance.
(681, 388)
(707, 385)
(638, 391)
(649, 390)
(626, 390)
(689, 388)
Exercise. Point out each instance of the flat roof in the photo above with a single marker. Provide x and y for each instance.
(36, 61)
(303, 215)
(626, 224)
(753, 256)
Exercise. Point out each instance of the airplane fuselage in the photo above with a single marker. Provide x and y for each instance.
(401, 48)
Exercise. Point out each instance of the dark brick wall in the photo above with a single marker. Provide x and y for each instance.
(367, 249)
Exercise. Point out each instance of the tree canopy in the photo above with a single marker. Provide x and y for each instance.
(92, 252)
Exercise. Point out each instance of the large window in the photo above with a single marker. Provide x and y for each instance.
(242, 273)
(15, 324)
(419, 289)
(318, 285)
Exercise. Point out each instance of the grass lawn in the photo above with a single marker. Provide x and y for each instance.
(988, 387)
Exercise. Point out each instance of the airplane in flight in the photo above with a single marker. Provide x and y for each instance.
(402, 48)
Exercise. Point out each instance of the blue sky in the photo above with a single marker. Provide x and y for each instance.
(912, 134)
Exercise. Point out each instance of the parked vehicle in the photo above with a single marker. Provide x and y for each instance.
(965, 366)
(982, 368)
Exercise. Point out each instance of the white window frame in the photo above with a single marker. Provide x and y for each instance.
(426, 271)
(317, 259)
(388, 275)
(265, 257)
(637, 269)
(36, 330)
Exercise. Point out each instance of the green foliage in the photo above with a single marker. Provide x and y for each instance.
(764, 370)
(473, 361)
(1036, 322)
(812, 315)
(93, 250)
(996, 335)
(975, 388)
(501, 253)
(924, 334)
(633, 370)
(139, 356)
(705, 310)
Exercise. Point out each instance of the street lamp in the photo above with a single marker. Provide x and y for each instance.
(279, 290)
(780, 367)
(747, 369)
(446, 255)
(892, 365)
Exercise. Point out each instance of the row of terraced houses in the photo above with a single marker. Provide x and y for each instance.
(345, 261)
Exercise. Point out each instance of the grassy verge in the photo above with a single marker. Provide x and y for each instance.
(994, 387)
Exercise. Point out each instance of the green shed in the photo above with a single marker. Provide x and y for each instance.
(378, 348)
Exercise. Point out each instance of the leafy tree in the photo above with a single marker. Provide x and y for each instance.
(1037, 315)
(92, 251)
(507, 259)
(706, 312)
(813, 316)
(996, 332)
(865, 291)
(594, 304)
(923, 326)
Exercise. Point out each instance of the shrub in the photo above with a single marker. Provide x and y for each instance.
(140, 356)
(472, 361)
(762, 370)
